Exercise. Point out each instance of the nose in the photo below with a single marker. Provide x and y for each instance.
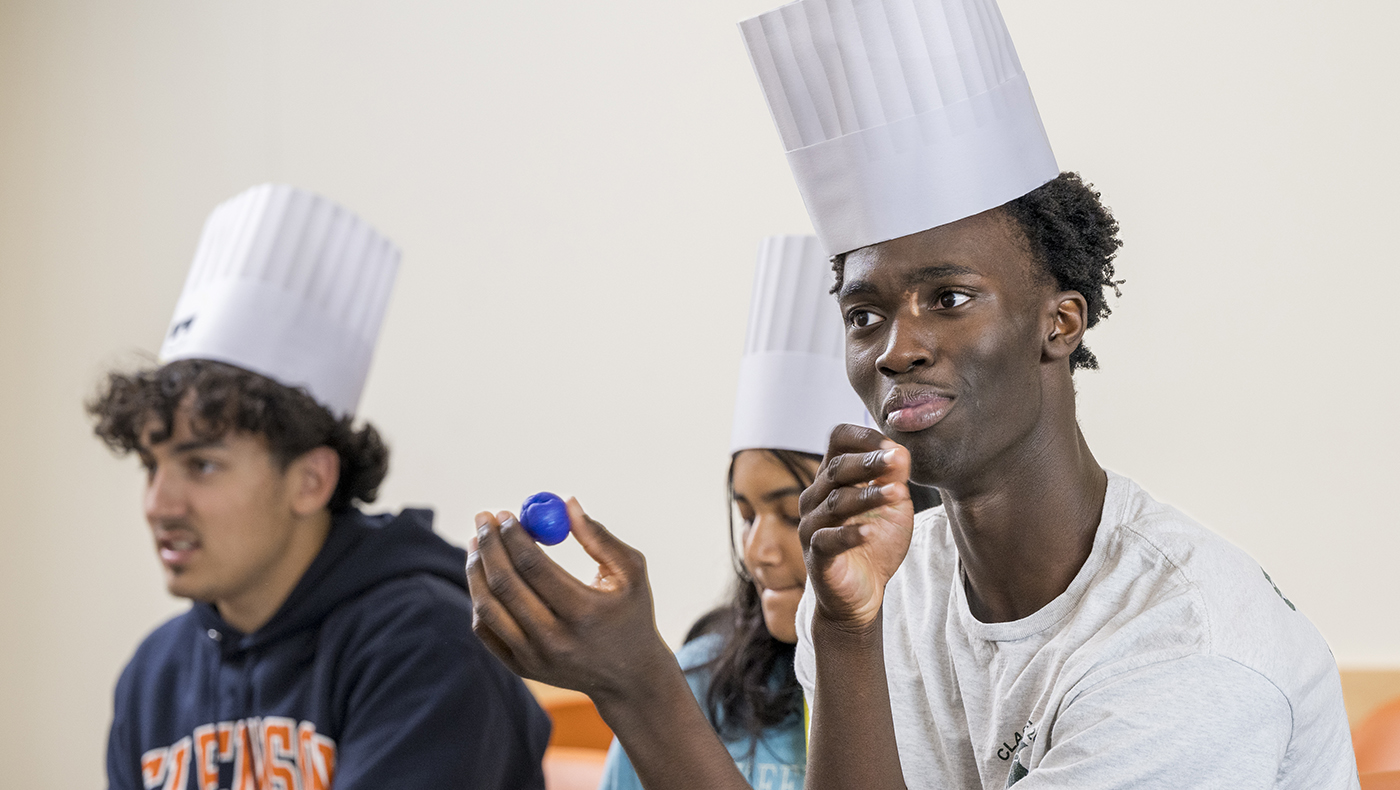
(905, 349)
(763, 545)
(163, 499)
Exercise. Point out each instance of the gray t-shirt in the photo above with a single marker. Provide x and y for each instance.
(1172, 661)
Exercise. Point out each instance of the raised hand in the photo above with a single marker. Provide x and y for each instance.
(597, 638)
(857, 521)
(544, 624)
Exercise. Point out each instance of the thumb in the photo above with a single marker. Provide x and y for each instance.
(617, 562)
(900, 464)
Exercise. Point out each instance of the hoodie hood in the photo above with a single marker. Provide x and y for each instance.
(361, 552)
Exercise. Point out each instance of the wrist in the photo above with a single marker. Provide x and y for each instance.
(847, 632)
(653, 676)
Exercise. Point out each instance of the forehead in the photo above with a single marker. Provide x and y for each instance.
(986, 245)
(155, 432)
(756, 471)
(180, 435)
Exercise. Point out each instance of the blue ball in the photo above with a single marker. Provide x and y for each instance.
(545, 517)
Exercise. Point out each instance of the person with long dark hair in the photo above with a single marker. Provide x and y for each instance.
(738, 658)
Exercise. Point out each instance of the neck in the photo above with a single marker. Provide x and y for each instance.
(250, 609)
(1024, 535)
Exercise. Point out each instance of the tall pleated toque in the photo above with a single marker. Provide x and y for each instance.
(792, 379)
(898, 115)
(289, 285)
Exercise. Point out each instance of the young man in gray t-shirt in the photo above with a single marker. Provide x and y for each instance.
(1051, 626)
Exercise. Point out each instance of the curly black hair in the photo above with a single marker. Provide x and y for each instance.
(224, 398)
(1074, 237)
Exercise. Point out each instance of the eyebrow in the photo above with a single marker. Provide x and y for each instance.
(197, 444)
(917, 277)
(774, 496)
(782, 493)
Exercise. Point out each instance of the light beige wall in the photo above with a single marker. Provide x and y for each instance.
(579, 189)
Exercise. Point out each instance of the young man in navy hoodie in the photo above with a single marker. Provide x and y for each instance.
(325, 647)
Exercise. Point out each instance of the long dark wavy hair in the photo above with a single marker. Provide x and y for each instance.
(752, 684)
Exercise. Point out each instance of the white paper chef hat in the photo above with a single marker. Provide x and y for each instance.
(792, 380)
(288, 285)
(898, 115)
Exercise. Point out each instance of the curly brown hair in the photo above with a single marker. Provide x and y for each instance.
(1073, 236)
(225, 398)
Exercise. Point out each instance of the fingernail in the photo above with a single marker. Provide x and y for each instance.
(889, 489)
(887, 456)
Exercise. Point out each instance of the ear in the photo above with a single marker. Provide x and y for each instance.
(1068, 313)
(313, 477)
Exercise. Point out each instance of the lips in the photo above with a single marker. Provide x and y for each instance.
(767, 585)
(911, 410)
(790, 595)
(176, 548)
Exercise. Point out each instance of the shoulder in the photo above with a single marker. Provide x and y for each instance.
(409, 632)
(1242, 613)
(1186, 586)
(164, 651)
(151, 690)
(425, 591)
(420, 606)
(695, 658)
(1175, 543)
(410, 640)
(700, 651)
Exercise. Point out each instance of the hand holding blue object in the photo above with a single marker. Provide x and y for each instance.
(545, 517)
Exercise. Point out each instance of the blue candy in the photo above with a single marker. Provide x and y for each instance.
(545, 517)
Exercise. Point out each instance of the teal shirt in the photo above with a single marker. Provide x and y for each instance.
(777, 761)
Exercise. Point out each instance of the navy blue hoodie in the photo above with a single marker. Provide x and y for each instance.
(368, 677)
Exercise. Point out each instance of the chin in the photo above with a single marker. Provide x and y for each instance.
(181, 586)
(181, 591)
(925, 450)
(789, 638)
(781, 626)
(928, 475)
(932, 463)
